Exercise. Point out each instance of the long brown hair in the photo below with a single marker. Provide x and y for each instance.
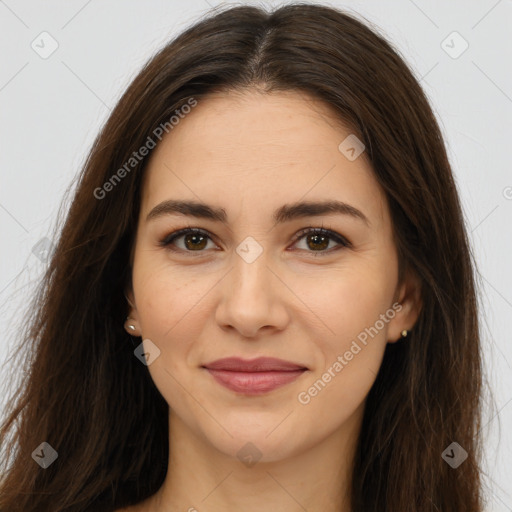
(102, 413)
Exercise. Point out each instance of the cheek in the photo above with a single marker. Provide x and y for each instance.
(168, 306)
(166, 299)
(350, 302)
(356, 310)
(173, 309)
(351, 359)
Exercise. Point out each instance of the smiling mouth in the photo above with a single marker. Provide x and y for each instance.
(254, 377)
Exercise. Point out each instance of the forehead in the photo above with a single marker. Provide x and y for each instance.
(270, 148)
(286, 125)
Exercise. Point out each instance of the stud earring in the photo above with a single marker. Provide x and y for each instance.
(129, 326)
(404, 333)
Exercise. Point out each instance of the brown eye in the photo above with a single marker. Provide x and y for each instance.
(318, 240)
(194, 240)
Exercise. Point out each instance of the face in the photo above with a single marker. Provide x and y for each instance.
(265, 280)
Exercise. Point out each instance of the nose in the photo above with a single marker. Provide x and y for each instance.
(253, 298)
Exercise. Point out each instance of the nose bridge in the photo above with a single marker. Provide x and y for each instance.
(251, 280)
(250, 272)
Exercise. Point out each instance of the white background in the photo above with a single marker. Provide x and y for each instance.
(51, 109)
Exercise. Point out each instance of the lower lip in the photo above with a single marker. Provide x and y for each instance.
(254, 383)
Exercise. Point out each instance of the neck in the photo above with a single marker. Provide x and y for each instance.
(200, 477)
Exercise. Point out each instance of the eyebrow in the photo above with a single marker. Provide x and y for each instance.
(283, 214)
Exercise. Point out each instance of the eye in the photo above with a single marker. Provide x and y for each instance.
(195, 240)
(319, 240)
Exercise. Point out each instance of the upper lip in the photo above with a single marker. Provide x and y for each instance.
(260, 364)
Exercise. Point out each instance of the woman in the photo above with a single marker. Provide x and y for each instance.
(263, 293)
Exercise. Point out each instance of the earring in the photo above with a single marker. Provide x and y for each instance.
(404, 333)
(129, 326)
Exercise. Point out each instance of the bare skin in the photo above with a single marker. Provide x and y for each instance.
(303, 300)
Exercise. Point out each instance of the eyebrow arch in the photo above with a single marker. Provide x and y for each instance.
(283, 214)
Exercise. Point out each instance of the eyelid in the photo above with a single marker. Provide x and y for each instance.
(341, 240)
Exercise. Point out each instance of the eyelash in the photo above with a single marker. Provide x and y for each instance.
(171, 237)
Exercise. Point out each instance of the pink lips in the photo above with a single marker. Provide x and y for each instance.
(255, 376)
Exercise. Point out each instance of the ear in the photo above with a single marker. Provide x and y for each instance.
(408, 295)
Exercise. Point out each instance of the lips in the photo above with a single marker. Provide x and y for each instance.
(261, 364)
(256, 376)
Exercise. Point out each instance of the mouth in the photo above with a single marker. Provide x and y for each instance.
(256, 376)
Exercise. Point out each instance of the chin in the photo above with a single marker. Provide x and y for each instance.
(256, 441)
